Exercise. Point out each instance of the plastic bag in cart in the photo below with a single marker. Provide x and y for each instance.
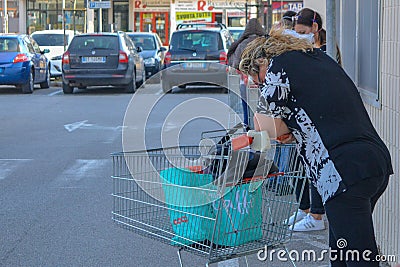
(254, 164)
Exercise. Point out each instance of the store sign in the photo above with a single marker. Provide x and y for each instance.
(185, 17)
(98, 4)
(207, 5)
(151, 4)
(280, 7)
(227, 4)
(236, 14)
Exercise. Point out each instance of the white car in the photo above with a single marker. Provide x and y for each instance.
(54, 41)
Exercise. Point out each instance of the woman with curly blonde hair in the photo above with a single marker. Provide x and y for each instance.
(308, 98)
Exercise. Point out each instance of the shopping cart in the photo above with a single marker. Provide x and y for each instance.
(197, 200)
(251, 96)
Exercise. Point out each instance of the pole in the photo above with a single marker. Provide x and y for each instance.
(74, 16)
(260, 11)
(246, 10)
(100, 18)
(331, 28)
(5, 17)
(269, 16)
(63, 22)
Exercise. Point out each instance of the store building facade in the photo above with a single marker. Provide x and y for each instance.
(160, 16)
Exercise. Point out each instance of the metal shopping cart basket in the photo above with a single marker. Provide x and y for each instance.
(235, 95)
(198, 200)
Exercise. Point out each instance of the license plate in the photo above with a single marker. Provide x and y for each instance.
(93, 59)
(194, 65)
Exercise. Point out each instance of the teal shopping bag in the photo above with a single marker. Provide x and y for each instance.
(239, 214)
(189, 213)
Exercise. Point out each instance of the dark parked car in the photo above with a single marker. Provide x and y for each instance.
(197, 55)
(153, 52)
(22, 63)
(100, 59)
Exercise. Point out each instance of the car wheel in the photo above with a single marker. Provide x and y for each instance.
(166, 87)
(67, 89)
(46, 83)
(27, 88)
(131, 86)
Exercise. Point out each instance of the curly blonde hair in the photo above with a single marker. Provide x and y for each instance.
(262, 49)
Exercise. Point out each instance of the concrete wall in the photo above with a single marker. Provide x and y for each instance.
(319, 6)
(387, 122)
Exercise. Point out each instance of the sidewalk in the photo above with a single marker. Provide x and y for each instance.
(309, 249)
(303, 245)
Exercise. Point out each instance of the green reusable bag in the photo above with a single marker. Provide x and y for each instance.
(239, 215)
(189, 213)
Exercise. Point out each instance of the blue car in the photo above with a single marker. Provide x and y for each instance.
(22, 63)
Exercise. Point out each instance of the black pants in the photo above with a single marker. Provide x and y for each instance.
(316, 206)
(350, 222)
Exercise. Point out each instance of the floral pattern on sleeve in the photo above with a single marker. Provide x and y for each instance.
(274, 95)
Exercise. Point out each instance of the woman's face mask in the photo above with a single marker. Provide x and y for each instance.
(308, 36)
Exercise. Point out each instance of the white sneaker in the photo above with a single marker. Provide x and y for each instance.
(300, 216)
(308, 224)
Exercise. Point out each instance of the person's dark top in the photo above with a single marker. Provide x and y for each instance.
(252, 31)
(322, 107)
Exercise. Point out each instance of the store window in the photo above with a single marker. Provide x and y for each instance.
(105, 26)
(48, 15)
(121, 16)
(156, 22)
(360, 45)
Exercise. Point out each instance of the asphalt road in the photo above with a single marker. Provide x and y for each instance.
(55, 168)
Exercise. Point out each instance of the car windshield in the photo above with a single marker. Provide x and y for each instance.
(236, 34)
(145, 42)
(198, 41)
(94, 42)
(49, 39)
(9, 45)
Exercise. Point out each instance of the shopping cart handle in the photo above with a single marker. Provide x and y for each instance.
(241, 141)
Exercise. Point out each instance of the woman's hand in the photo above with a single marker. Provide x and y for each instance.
(286, 138)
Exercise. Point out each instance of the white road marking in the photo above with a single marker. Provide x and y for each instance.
(84, 125)
(7, 166)
(229, 263)
(55, 93)
(81, 169)
(73, 126)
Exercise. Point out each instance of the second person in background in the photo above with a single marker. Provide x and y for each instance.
(252, 31)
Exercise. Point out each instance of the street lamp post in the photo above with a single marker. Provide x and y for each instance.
(5, 17)
(63, 22)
